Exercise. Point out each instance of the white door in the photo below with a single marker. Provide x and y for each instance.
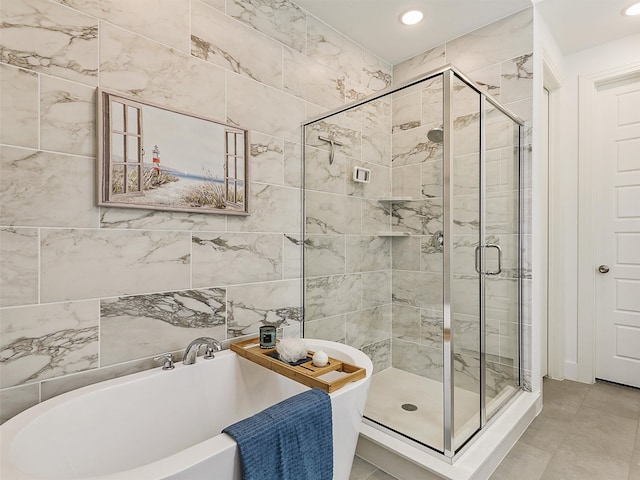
(617, 216)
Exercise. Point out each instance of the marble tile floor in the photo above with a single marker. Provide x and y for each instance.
(584, 432)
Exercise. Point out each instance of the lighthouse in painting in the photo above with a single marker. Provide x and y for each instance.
(156, 159)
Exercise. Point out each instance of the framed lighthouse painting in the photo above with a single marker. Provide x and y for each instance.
(156, 158)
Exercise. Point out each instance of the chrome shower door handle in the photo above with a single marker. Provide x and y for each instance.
(499, 270)
(478, 261)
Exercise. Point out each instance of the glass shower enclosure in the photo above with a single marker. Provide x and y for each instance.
(412, 252)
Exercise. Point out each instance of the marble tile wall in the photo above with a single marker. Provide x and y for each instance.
(347, 263)
(418, 259)
(498, 58)
(90, 293)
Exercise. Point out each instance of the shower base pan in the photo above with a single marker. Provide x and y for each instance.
(392, 389)
(412, 406)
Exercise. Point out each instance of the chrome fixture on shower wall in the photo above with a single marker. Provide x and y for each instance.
(436, 134)
(438, 240)
(333, 144)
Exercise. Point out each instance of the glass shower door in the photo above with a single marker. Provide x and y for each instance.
(500, 255)
(485, 267)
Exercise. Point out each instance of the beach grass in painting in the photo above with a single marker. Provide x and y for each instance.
(208, 193)
(150, 179)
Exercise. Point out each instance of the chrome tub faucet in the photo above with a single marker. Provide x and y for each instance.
(192, 349)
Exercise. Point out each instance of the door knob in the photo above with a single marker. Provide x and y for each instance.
(603, 269)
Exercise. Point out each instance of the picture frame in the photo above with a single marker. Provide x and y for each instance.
(154, 157)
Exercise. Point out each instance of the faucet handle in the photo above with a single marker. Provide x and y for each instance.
(212, 345)
(167, 358)
(208, 354)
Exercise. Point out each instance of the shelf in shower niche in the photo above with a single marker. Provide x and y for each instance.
(336, 374)
(394, 234)
(395, 199)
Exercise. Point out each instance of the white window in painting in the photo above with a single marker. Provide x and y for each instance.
(234, 166)
(126, 155)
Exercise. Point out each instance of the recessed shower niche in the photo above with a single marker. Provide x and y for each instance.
(421, 267)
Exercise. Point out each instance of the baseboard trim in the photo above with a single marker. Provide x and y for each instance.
(570, 371)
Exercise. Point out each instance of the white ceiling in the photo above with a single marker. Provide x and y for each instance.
(375, 24)
(580, 24)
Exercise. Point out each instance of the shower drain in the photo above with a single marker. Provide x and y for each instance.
(409, 407)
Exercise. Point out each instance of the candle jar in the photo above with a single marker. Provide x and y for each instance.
(267, 336)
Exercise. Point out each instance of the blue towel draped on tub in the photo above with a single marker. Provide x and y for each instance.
(291, 440)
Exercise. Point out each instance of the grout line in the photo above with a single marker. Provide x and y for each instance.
(39, 266)
(191, 260)
(190, 26)
(99, 334)
(99, 70)
(39, 114)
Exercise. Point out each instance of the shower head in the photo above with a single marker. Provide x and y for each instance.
(436, 134)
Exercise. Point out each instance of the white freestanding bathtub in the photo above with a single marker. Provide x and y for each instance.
(166, 424)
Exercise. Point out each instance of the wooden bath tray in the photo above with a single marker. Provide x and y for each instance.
(336, 374)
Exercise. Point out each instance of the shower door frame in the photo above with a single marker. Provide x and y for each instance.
(448, 72)
(450, 452)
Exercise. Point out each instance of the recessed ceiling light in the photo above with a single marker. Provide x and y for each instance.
(411, 17)
(633, 9)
